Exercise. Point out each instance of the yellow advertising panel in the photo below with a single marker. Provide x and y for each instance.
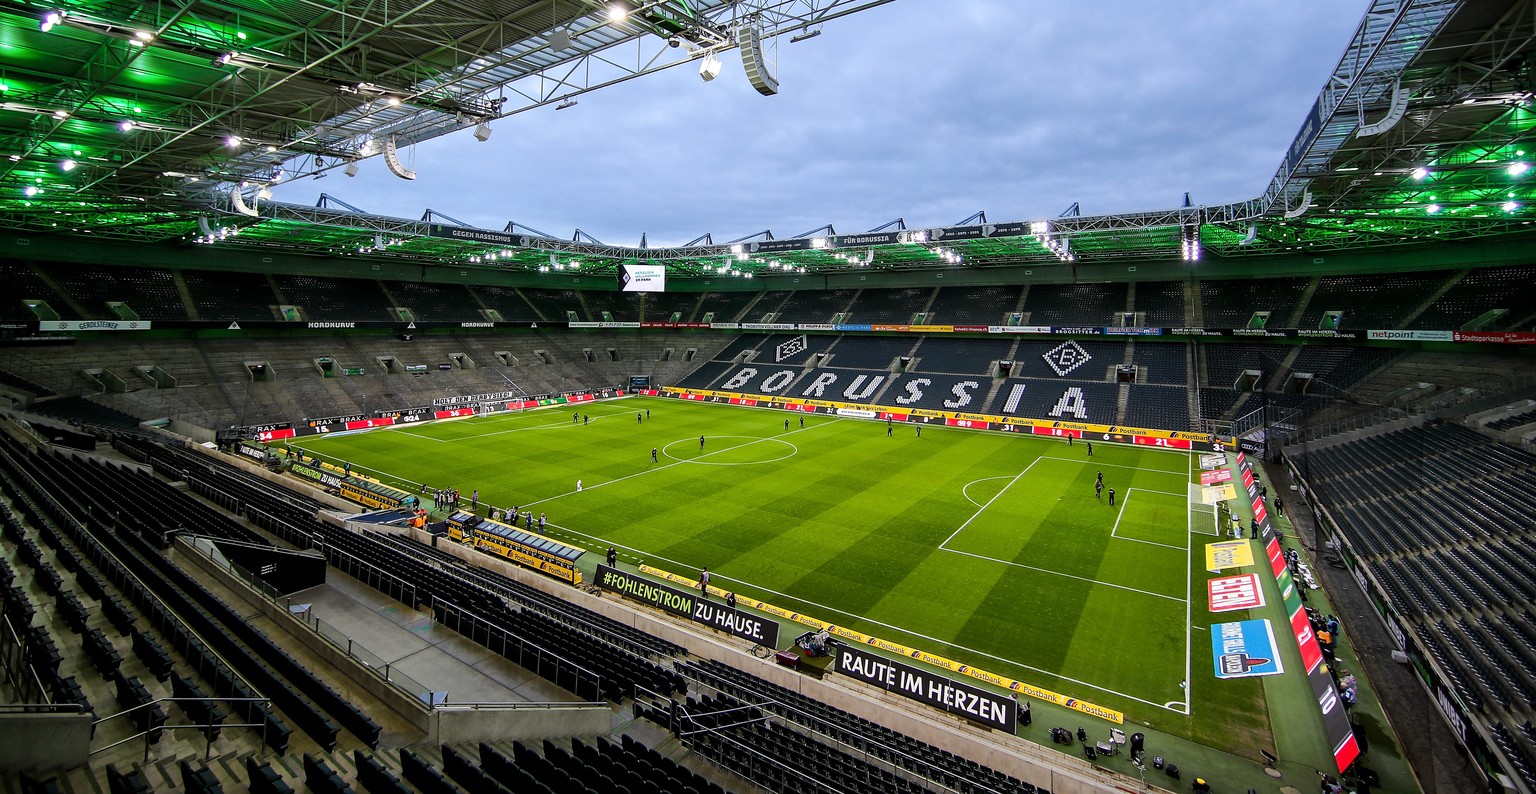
(1228, 554)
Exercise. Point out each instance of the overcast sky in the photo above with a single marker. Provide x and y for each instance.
(927, 110)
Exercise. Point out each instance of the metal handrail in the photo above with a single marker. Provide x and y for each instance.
(32, 708)
(207, 727)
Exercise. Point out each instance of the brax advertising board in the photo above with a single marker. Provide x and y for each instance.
(714, 614)
(973, 703)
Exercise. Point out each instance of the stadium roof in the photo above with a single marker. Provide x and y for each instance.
(164, 122)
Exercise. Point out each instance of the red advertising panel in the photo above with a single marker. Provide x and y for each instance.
(1346, 753)
(1219, 475)
(1276, 557)
(453, 412)
(888, 416)
(747, 401)
(580, 398)
(974, 424)
(1311, 655)
(691, 396)
(802, 407)
(1259, 513)
(1169, 443)
(274, 435)
(364, 424)
(650, 392)
(1061, 432)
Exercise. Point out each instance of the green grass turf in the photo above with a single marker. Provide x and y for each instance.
(988, 548)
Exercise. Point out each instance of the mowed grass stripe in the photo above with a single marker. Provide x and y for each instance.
(848, 528)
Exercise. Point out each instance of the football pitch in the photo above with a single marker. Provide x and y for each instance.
(988, 548)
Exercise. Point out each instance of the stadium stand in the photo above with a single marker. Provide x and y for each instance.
(230, 296)
(1370, 301)
(557, 304)
(1073, 401)
(1158, 406)
(1479, 292)
(960, 356)
(887, 305)
(1075, 304)
(1513, 420)
(814, 306)
(334, 299)
(429, 301)
(14, 381)
(1224, 362)
(1162, 362)
(1161, 303)
(658, 307)
(1230, 304)
(974, 305)
(621, 306)
(148, 293)
(509, 303)
(864, 352)
(727, 307)
(25, 284)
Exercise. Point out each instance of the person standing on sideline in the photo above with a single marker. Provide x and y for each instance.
(1111, 497)
(613, 557)
(653, 454)
(474, 500)
(730, 600)
(639, 418)
(1069, 439)
(802, 424)
(578, 486)
(786, 424)
(542, 522)
(888, 429)
(701, 443)
(647, 413)
(586, 420)
(575, 417)
(919, 431)
(704, 582)
(1098, 489)
(1090, 448)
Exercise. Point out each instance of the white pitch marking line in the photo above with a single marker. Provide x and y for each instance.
(1189, 597)
(909, 632)
(983, 508)
(1119, 514)
(1064, 575)
(681, 462)
(965, 489)
(1096, 464)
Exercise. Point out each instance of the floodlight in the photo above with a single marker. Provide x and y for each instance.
(1516, 169)
(709, 69)
(233, 141)
(483, 132)
(1509, 206)
(50, 19)
(223, 58)
(127, 126)
(1420, 172)
(67, 165)
(264, 194)
(568, 103)
(618, 11)
(559, 40)
(29, 191)
(392, 160)
(351, 169)
(143, 35)
(393, 101)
